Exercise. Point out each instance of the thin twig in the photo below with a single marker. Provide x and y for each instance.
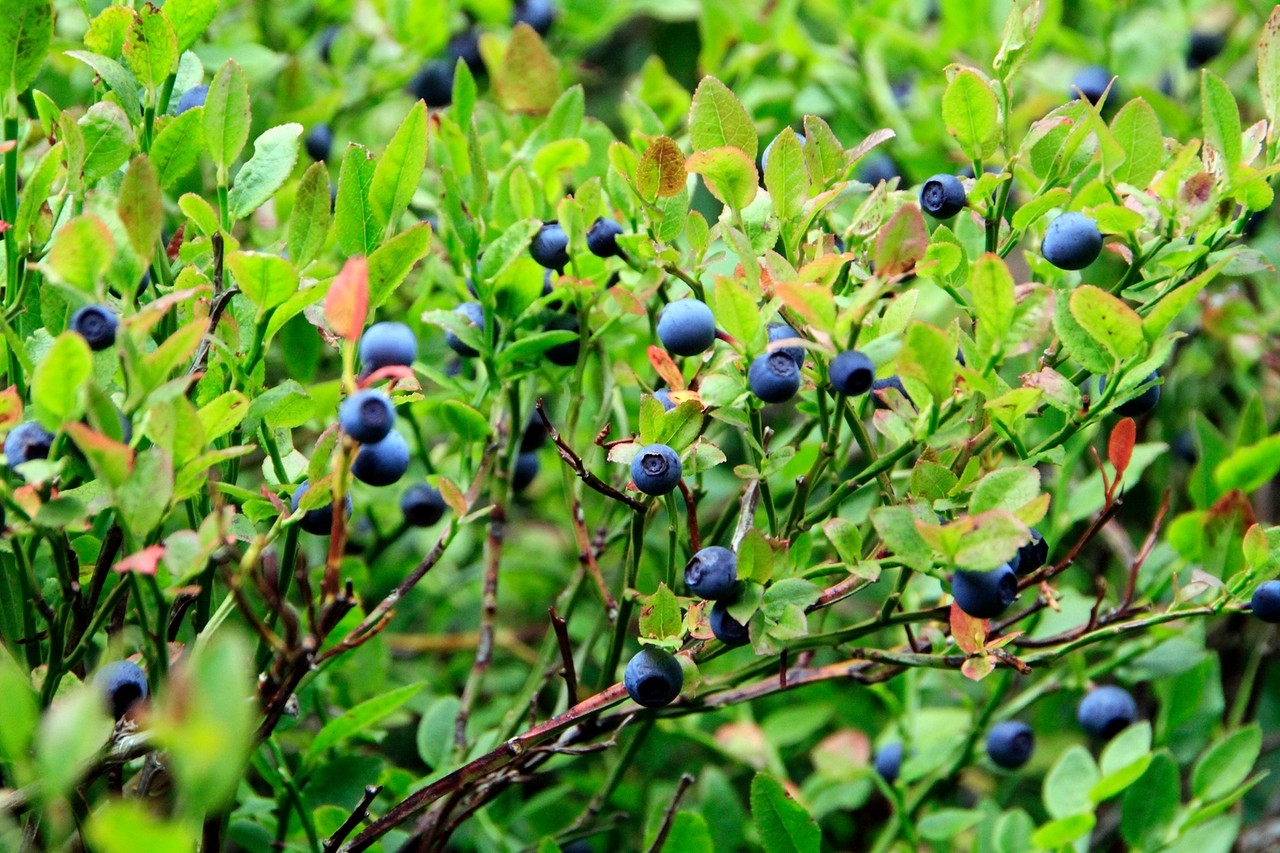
(357, 816)
(488, 613)
(575, 462)
(746, 512)
(1134, 567)
(691, 510)
(217, 306)
(566, 655)
(587, 556)
(686, 779)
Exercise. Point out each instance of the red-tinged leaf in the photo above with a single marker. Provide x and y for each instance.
(394, 372)
(453, 497)
(10, 408)
(978, 668)
(970, 633)
(143, 562)
(666, 368)
(111, 460)
(902, 242)
(1120, 448)
(274, 499)
(347, 303)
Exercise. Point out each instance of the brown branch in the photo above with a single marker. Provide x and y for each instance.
(488, 613)
(587, 556)
(691, 509)
(357, 816)
(668, 817)
(1143, 553)
(217, 306)
(566, 654)
(575, 462)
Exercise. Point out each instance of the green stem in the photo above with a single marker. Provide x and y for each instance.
(625, 603)
(766, 495)
(673, 538)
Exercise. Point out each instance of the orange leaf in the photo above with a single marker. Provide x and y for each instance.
(666, 368)
(978, 668)
(970, 632)
(10, 408)
(347, 303)
(1120, 448)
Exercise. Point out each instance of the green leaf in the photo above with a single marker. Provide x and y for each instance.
(391, 262)
(82, 252)
(227, 114)
(1123, 761)
(1115, 326)
(500, 254)
(902, 242)
(1059, 833)
(784, 825)
(399, 169)
(1137, 128)
(1005, 488)
(1151, 803)
(26, 31)
(37, 190)
(660, 617)
(140, 207)
(738, 313)
(529, 79)
(1249, 468)
(1221, 118)
(108, 30)
(117, 78)
(689, 833)
(1226, 764)
(786, 175)
(123, 826)
(21, 710)
(972, 114)
(359, 718)
(353, 215)
(178, 146)
(945, 824)
(1066, 787)
(789, 592)
(151, 48)
(994, 538)
(846, 538)
(1164, 312)
(267, 280)
(717, 120)
(435, 731)
(1269, 67)
(463, 421)
(190, 18)
(755, 557)
(274, 154)
(310, 219)
(108, 140)
(144, 498)
(1026, 216)
(728, 173)
(61, 381)
(994, 304)
(930, 357)
(1079, 344)
(72, 733)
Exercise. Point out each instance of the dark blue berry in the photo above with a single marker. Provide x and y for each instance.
(602, 238)
(1143, 404)
(876, 168)
(122, 684)
(1030, 556)
(712, 573)
(687, 327)
(1071, 242)
(325, 44)
(656, 469)
(26, 442)
(474, 314)
(1010, 744)
(942, 196)
(1203, 47)
(1106, 711)
(851, 373)
(527, 467)
(984, 595)
(386, 344)
(192, 98)
(653, 677)
(774, 377)
(319, 142)
(539, 14)
(880, 387)
(1092, 82)
(383, 462)
(550, 246)
(535, 434)
(1266, 601)
(889, 761)
(97, 324)
(367, 416)
(781, 332)
(565, 354)
(433, 83)
(422, 505)
(728, 630)
(466, 46)
(318, 521)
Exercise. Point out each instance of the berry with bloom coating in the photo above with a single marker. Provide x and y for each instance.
(1266, 601)
(851, 373)
(1092, 82)
(387, 344)
(781, 332)
(942, 196)
(122, 684)
(656, 469)
(1071, 242)
(602, 238)
(889, 761)
(550, 247)
(712, 573)
(687, 327)
(26, 442)
(774, 377)
(653, 677)
(728, 630)
(539, 14)
(434, 83)
(192, 98)
(317, 521)
(984, 595)
(367, 416)
(473, 314)
(1010, 744)
(1106, 711)
(422, 505)
(97, 324)
(383, 462)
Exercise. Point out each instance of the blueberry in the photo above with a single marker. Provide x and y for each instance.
(539, 14)
(851, 373)
(122, 683)
(26, 442)
(367, 416)
(565, 354)
(774, 377)
(325, 45)
(1107, 710)
(1144, 403)
(889, 761)
(1071, 242)
(422, 505)
(1030, 556)
(879, 400)
(712, 573)
(387, 343)
(1010, 744)
(535, 434)
(663, 396)
(382, 462)
(656, 469)
(433, 83)
(687, 327)
(319, 142)
(727, 630)
(653, 677)
(764, 158)
(942, 196)
(780, 332)
(474, 314)
(1203, 47)
(466, 46)
(192, 98)
(876, 168)
(984, 595)
(527, 467)
(550, 246)
(97, 324)
(1266, 601)
(318, 521)
(1092, 82)
(602, 238)
(1184, 446)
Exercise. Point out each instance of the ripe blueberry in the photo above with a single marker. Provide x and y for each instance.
(97, 324)
(1010, 744)
(192, 98)
(1266, 601)
(687, 327)
(1144, 403)
(876, 168)
(433, 83)
(602, 238)
(1203, 47)
(880, 387)
(122, 684)
(727, 630)
(781, 332)
(1030, 556)
(764, 158)
(422, 505)
(1107, 710)
(382, 462)
(851, 373)
(1092, 82)
(774, 377)
(889, 761)
(527, 467)
(535, 434)
(466, 46)
(539, 14)
(325, 45)
(712, 573)
(319, 142)
(367, 416)
(474, 314)
(26, 442)
(387, 343)
(984, 595)
(565, 354)
(942, 196)
(1071, 242)
(550, 246)
(663, 396)
(656, 469)
(318, 521)
(653, 677)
